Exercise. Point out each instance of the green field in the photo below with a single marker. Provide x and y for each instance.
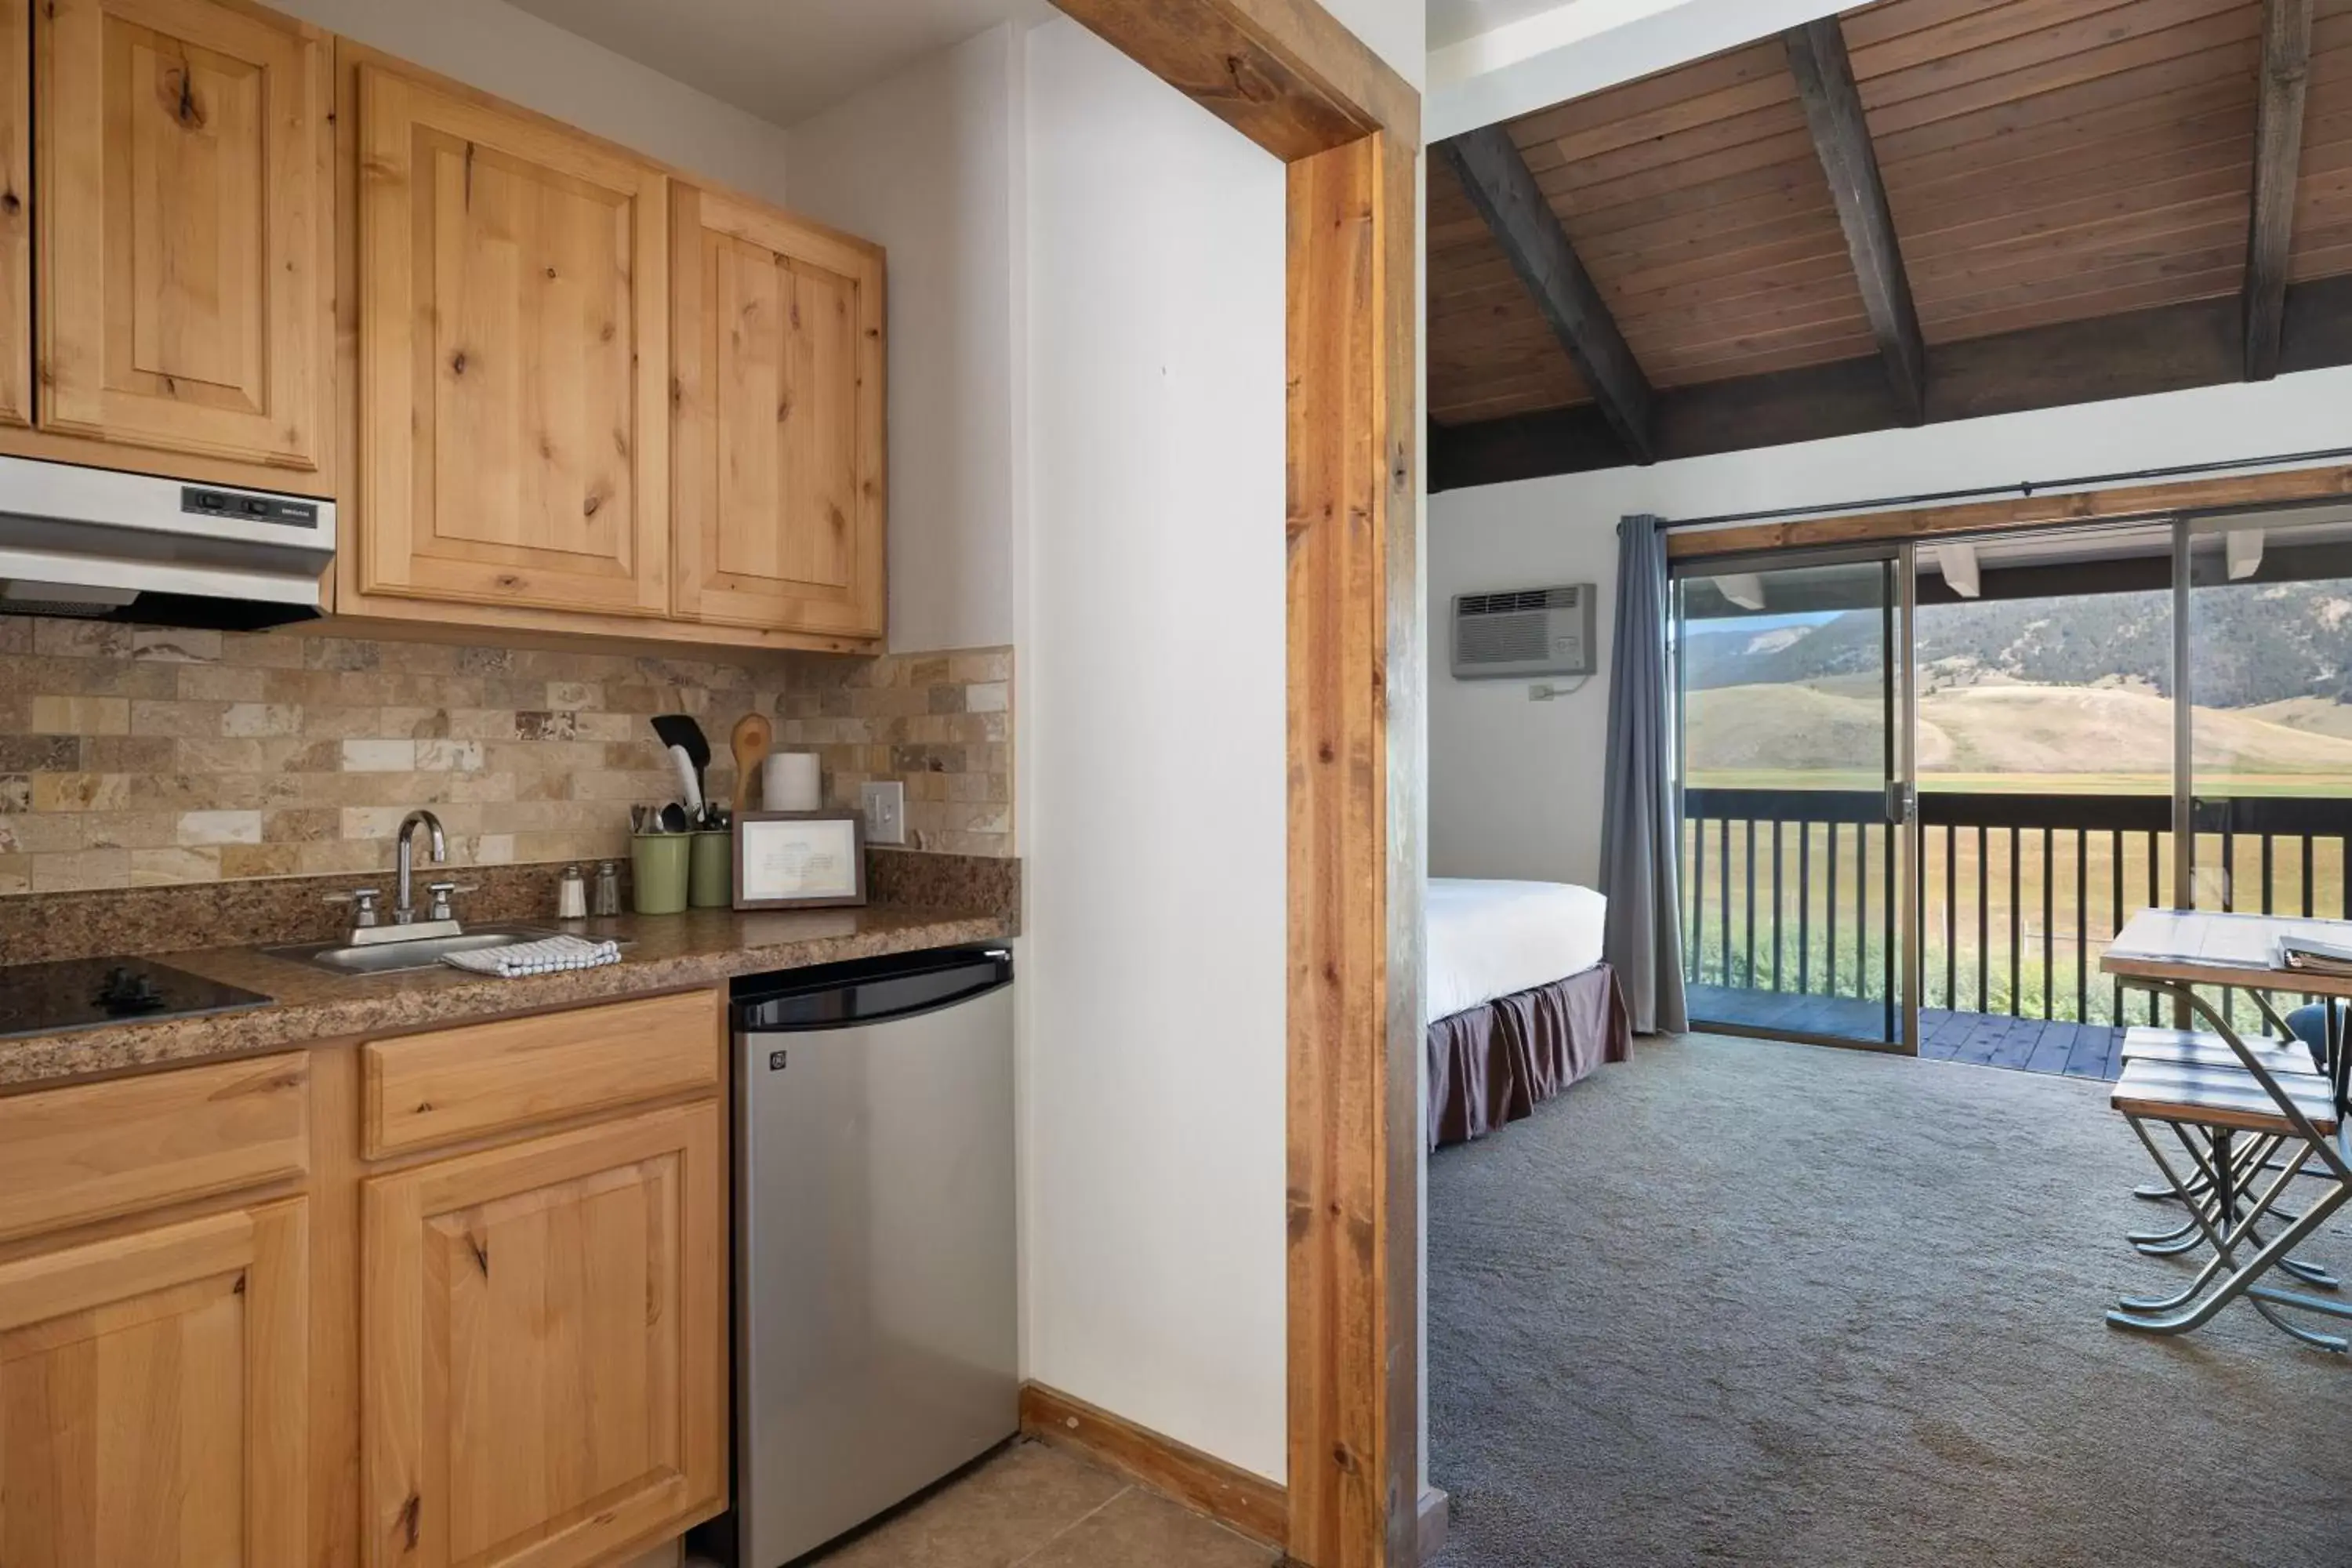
(2006, 739)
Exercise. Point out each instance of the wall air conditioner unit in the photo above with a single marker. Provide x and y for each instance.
(1524, 631)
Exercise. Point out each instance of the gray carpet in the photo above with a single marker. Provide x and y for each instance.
(1707, 1308)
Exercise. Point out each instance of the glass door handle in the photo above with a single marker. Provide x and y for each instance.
(1902, 802)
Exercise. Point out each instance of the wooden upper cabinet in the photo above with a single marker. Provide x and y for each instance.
(185, 226)
(777, 333)
(154, 1397)
(16, 221)
(544, 1346)
(514, 427)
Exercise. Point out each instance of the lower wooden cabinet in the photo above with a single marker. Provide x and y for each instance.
(543, 1345)
(154, 1397)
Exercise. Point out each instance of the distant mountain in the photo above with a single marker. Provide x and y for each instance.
(2252, 644)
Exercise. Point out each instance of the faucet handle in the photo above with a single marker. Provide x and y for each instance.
(439, 891)
(363, 915)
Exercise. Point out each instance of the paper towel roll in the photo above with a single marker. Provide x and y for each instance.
(791, 783)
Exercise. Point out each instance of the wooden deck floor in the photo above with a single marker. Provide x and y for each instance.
(1988, 1039)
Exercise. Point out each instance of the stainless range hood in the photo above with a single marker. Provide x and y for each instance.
(101, 545)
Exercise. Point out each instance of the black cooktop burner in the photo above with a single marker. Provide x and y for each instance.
(84, 992)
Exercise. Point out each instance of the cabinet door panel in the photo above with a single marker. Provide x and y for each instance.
(15, 222)
(154, 1398)
(777, 333)
(544, 1341)
(514, 424)
(185, 224)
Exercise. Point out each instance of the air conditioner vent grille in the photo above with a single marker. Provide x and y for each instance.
(1524, 632)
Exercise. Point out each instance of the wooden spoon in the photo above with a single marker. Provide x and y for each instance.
(753, 736)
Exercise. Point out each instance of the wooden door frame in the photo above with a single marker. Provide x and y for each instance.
(1288, 77)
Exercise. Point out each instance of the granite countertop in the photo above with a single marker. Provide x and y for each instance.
(664, 953)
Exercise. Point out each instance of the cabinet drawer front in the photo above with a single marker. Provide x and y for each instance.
(97, 1150)
(462, 1083)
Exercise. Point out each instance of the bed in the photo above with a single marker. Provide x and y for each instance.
(1520, 1005)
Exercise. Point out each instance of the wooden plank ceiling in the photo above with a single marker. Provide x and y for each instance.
(2069, 183)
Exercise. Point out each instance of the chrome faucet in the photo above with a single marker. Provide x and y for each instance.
(404, 912)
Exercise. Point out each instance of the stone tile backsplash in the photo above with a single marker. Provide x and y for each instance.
(135, 756)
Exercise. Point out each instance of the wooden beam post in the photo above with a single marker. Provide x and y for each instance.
(1287, 76)
(2278, 161)
(1817, 57)
(1496, 180)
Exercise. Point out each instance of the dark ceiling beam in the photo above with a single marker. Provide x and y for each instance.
(2278, 161)
(2164, 349)
(1496, 180)
(1817, 58)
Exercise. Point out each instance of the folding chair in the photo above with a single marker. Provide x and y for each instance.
(2287, 1058)
(2209, 1106)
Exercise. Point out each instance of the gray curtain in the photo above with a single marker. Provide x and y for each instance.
(1640, 847)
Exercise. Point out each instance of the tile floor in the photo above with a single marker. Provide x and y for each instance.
(1031, 1506)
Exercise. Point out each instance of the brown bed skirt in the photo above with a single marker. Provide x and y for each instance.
(1495, 1064)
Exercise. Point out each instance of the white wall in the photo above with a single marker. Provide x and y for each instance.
(928, 164)
(1515, 785)
(493, 46)
(1152, 794)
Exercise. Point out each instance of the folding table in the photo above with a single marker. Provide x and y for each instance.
(2209, 1105)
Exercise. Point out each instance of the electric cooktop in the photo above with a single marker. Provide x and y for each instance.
(86, 992)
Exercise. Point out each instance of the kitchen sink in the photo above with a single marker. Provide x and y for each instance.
(393, 957)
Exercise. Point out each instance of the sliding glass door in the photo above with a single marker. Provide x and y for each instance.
(1924, 785)
(1793, 755)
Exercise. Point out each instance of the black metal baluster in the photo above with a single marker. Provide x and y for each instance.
(2082, 928)
(1699, 898)
(1862, 911)
(1829, 935)
(2116, 926)
(1749, 838)
(1952, 916)
(1886, 947)
(2049, 921)
(1723, 877)
(2308, 840)
(1780, 910)
(2155, 900)
(1804, 907)
(2267, 908)
(1984, 926)
(2016, 985)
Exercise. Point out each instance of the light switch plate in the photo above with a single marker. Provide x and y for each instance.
(885, 806)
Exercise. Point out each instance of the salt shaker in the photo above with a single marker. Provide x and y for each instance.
(608, 888)
(571, 896)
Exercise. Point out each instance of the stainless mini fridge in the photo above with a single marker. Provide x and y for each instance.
(874, 1264)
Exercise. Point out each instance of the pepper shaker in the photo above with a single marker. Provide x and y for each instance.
(608, 888)
(571, 896)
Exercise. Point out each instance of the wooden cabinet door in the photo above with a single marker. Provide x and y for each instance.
(514, 365)
(544, 1346)
(16, 221)
(186, 214)
(777, 330)
(154, 1398)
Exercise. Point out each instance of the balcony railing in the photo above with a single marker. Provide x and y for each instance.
(1791, 890)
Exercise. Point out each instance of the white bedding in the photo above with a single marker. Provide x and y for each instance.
(1490, 938)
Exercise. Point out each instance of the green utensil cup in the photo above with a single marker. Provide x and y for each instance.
(659, 861)
(712, 885)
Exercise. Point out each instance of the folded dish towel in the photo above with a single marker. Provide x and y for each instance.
(546, 957)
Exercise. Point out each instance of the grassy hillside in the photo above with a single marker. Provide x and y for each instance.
(2047, 732)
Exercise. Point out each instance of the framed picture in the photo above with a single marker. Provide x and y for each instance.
(799, 859)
